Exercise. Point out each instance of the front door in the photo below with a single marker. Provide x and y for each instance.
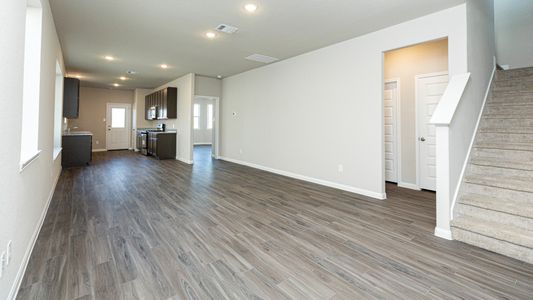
(429, 90)
(118, 126)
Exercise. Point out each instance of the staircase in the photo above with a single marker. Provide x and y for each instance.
(494, 209)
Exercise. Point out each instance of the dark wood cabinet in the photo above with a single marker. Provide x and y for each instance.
(77, 150)
(162, 145)
(71, 98)
(162, 104)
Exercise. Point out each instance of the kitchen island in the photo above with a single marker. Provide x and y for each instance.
(77, 148)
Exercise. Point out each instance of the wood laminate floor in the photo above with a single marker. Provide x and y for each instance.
(131, 227)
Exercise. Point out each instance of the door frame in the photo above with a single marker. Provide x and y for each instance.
(128, 122)
(216, 127)
(417, 112)
(397, 128)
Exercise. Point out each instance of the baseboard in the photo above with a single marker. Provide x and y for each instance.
(26, 258)
(99, 150)
(410, 186)
(189, 162)
(380, 196)
(465, 164)
(443, 233)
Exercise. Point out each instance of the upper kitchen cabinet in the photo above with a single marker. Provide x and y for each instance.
(162, 104)
(71, 98)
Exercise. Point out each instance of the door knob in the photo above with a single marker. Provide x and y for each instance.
(422, 139)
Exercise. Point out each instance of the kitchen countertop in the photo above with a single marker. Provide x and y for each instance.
(77, 133)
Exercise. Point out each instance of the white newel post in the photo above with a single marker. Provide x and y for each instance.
(442, 118)
(443, 182)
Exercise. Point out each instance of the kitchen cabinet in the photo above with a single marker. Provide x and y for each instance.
(76, 149)
(162, 145)
(162, 104)
(71, 98)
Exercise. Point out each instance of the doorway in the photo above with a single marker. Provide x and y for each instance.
(118, 126)
(205, 115)
(415, 78)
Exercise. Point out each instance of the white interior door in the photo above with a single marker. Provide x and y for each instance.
(429, 90)
(118, 126)
(391, 137)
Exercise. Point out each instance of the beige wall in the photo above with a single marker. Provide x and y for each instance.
(404, 64)
(93, 103)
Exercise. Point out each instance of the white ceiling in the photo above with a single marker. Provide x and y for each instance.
(513, 26)
(142, 34)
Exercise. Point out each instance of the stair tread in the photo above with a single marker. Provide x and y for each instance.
(504, 146)
(496, 230)
(511, 183)
(502, 163)
(504, 205)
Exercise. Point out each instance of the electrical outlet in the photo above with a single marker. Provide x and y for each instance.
(97, 142)
(240, 151)
(2, 263)
(340, 168)
(8, 253)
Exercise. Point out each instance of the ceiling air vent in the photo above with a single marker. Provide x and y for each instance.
(227, 28)
(262, 58)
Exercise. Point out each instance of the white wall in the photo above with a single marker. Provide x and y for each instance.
(203, 135)
(481, 51)
(513, 27)
(25, 195)
(183, 124)
(207, 86)
(308, 114)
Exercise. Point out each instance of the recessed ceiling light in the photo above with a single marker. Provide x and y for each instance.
(219, 76)
(163, 66)
(250, 7)
(116, 84)
(123, 78)
(210, 35)
(110, 58)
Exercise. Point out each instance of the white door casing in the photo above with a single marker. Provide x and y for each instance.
(390, 100)
(429, 90)
(118, 126)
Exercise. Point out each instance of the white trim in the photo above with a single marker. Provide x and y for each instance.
(410, 186)
(380, 196)
(27, 162)
(56, 153)
(397, 128)
(417, 131)
(26, 258)
(465, 164)
(442, 233)
(99, 150)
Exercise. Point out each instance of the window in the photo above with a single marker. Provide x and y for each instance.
(32, 74)
(196, 116)
(210, 116)
(58, 111)
(118, 117)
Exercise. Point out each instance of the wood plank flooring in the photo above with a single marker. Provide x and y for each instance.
(131, 227)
